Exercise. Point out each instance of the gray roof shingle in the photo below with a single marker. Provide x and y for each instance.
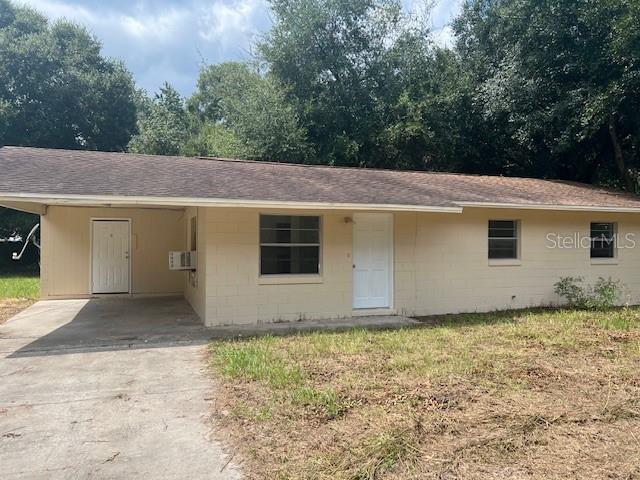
(74, 172)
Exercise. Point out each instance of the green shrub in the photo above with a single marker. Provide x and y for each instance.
(604, 293)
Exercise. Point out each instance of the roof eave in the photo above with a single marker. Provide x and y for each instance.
(117, 200)
(113, 200)
(568, 208)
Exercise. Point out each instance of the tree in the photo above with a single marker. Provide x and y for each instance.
(373, 90)
(13, 222)
(249, 111)
(431, 121)
(336, 61)
(560, 79)
(214, 139)
(162, 123)
(56, 90)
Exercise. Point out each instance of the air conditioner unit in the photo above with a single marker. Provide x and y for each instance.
(182, 260)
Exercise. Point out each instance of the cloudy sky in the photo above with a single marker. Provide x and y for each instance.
(169, 39)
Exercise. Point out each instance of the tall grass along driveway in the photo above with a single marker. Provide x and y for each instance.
(532, 394)
(17, 292)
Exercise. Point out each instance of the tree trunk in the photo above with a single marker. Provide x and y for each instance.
(618, 156)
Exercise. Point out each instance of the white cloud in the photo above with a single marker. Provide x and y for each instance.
(444, 10)
(441, 15)
(57, 10)
(166, 40)
(139, 22)
(223, 19)
(443, 36)
(163, 27)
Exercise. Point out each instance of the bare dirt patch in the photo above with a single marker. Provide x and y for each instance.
(11, 306)
(512, 395)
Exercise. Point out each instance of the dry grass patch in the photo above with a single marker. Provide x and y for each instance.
(11, 306)
(530, 394)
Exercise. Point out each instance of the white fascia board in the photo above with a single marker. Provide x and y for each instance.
(105, 200)
(569, 208)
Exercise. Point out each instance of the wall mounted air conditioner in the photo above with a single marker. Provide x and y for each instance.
(182, 260)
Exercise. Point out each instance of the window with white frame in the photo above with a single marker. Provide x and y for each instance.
(289, 244)
(503, 239)
(603, 240)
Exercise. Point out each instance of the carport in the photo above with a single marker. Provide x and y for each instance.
(67, 326)
(94, 250)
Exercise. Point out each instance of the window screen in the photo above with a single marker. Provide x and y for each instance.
(602, 240)
(289, 244)
(503, 239)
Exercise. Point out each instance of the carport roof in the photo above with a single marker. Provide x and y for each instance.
(66, 176)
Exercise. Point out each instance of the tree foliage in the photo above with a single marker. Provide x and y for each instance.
(14, 222)
(339, 61)
(56, 90)
(214, 139)
(560, 80)
(251, 111)
(162, 123)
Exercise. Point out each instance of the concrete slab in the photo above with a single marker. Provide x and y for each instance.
(116, 388)
(335, 325)
(107, 389)
(101, 323)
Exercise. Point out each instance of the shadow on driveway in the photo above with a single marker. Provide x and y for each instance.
(74, 326)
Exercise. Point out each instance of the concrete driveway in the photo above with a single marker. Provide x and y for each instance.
(110, 388)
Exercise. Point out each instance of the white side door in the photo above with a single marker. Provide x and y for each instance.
(372, 260)
(110, 256)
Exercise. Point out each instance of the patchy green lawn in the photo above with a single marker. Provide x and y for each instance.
(17, 292)
(19, 286)
(528, 394)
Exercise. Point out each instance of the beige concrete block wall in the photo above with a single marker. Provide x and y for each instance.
(66, 250)
(405, 248)
(236, 294)
(440, 265)
(451, 273)
(440, 261)
(194, 286)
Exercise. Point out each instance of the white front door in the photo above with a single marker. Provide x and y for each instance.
(372, 260)
(110, 256)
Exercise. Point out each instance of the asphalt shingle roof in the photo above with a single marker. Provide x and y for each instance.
(73, 172)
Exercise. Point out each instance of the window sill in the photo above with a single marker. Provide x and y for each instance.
(604, 261)
(505, 262)
(289, 279)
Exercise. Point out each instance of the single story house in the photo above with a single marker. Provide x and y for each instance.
(282, 242)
